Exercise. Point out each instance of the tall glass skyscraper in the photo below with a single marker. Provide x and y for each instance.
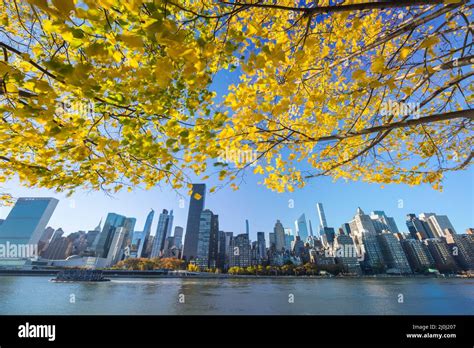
(140, 238)
(261, 246)
(196, 207)
(302, 228)
(163, 230)
(322, 217)
(27, 220)
(113, 222)
(207, 251)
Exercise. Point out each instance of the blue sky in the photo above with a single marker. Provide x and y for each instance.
(262, 207)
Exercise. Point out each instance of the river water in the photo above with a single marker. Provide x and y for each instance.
(37, 295)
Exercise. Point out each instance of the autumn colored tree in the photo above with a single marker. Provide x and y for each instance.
(108, 94)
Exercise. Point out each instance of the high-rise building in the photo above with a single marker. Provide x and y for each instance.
(417, 254)
(301, 228)
(393, 255)
(196, 207)
(261, 246)
(441, 254)
(297, 246)
(146, 234)
(57, 234)
(116, 249)
(461, 249)
(45, 237)
(382, 222)
(141, 238)
(321, 215)
(207, 253)
(163, 230)
(327, 235)
(345, 253)
(346, 229)
(272, 240)
(178, 236)
(439, 224)
(240, 251)
(112, 223)
(27, 221)
(279, 232)
(289, 238)
(311, 234)
(418, 228)
(247, 227)
(368, 248)
(59, 249)
(228, 250)
(221, 250)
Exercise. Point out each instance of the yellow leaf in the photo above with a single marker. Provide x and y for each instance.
(359, 74)
(404, 52)
(64, 6)
(431, 41)
(133, 41)
(378, 65)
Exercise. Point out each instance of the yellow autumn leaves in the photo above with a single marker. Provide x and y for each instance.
(302, 85)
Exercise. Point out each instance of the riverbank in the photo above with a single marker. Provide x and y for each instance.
(203, 275)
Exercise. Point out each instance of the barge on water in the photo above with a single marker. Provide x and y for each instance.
(80, 275)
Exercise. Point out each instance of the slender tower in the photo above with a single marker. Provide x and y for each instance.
(322, 216)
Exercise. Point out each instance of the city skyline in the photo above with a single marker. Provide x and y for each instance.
(84, 210)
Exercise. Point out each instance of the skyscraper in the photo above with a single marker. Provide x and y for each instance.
(425, 217)
(418, 256)
(272, 240)
(345, 254)
(261, 246)
(393, 255)
(289, 238)
(442, 256)
(141, 238)
(322, 216)
(461, 250)
(382, 222)
(104, 240)
(163, 230)
(27, 220)
(247, 227)
(302, 228)
(221, 250)
(346, 229)
(196, 207)
(240, 251)
(310, 229)
(439, 223)
(418, 229)
(327, 235)
(207, 253)
(364, 235)
(115, 253)
(178, 236)
(279, 232)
